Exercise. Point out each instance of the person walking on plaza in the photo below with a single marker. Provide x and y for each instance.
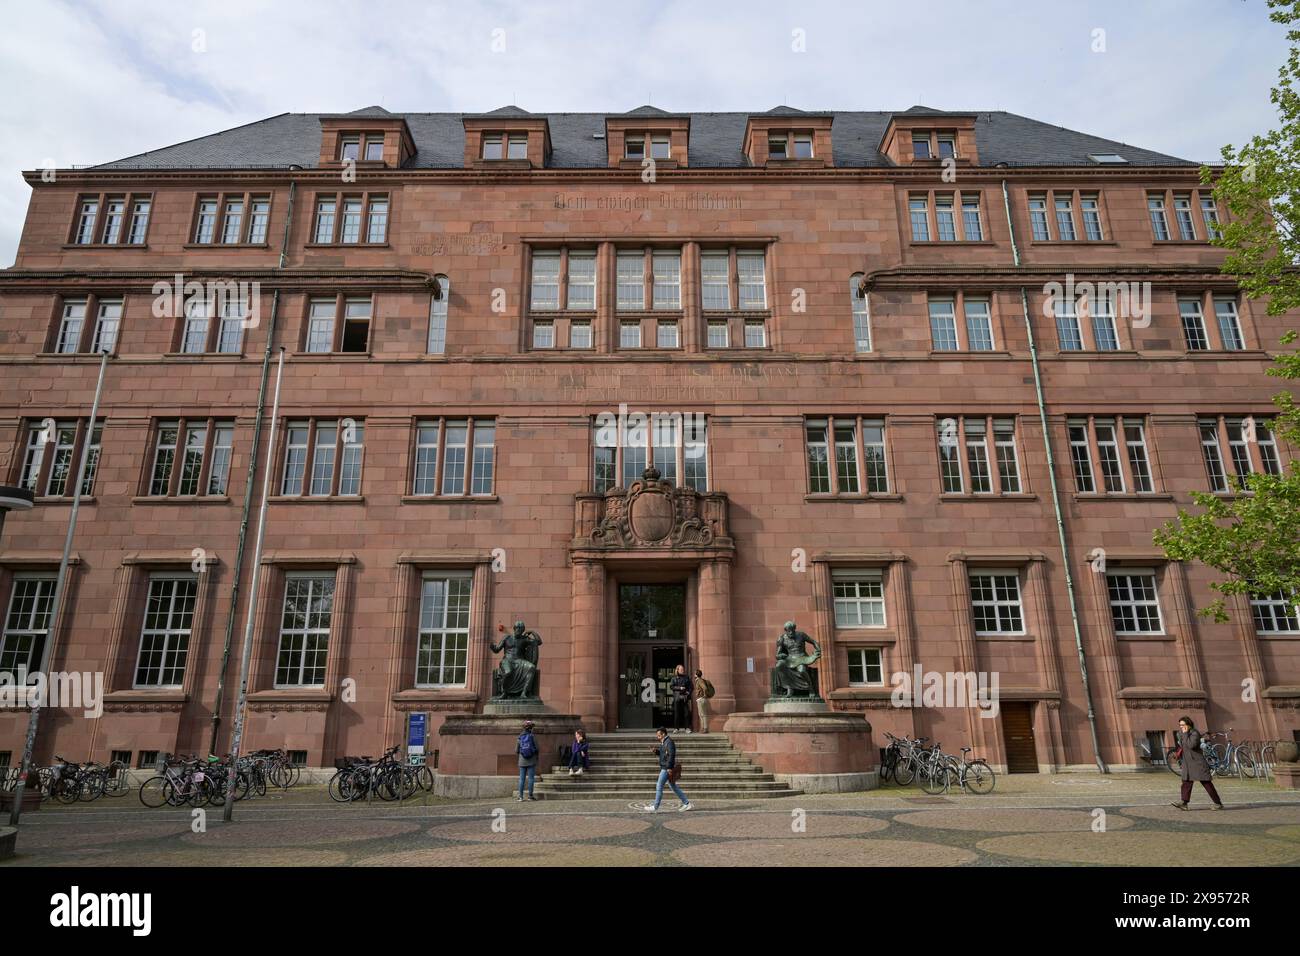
(669, 771)
(680, 686)
(578, 759)
(703, 691)
(527, 750)
(1194, 765)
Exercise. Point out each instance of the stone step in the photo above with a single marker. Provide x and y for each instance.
(669, 805)
(756, 776)
(649, 786)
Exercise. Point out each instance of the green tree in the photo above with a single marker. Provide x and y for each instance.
(1254, 539)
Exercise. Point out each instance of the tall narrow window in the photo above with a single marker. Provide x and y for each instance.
(1134, 606)
(164, 458)
(1267, 445)
(259, 216)
(919, 210)
(1225, 310)
(70, 326)
(861, 314)
(1067, 325)
(107, 322)
(1210, 216)
(1183, 214)
(295, 458)
(114, 211)
(1091, 209)
(484, 458)
(230, 335)
(165, 635)
(1081, 457)
(846, 457)
(323, 457)
(139, 222)
(631, 280)
(950, 455)
(206, 225)
(582, 282)
(972, 228)
(873, 453)
(977, 456)
(354, 439)
(351, 230)
(194, 338)
(1038, 218)
(426, 458)
(943, 219)
(1103, 324)
(1212, 454)
(818, 450)
(219, 474)
(979, 325)
(233, 223)
(305, 631)
(751, 270)
(1159, 224)
(196, 440)
(85, 233)
(356, 325)
(715, 280)
(1238, 448)
(1004, 438)
(943, 325)
(1065, 219)
(1189, 310)
(443, 653)
(320, 325)
(27, 624)
(325, 211)
(454, 451)
(65, 442)
(1135, 440)
(438, 317)
(1108, 454)
(667, 280)
(377, 221)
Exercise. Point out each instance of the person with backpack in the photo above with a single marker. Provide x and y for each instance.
(703, 691)
(669, 771)
(578, 760)
(680, 686)
(527, 750)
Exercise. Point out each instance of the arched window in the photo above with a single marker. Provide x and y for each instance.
(438, 317)
(861, 314)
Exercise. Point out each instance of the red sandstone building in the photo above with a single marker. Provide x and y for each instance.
(833, 312)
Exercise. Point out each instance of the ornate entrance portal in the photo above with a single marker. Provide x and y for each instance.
(652, 642)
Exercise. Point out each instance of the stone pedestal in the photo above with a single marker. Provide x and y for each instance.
(1287, 775)
(797, 705)
(813, 750)
(524, 708)
(476, 752)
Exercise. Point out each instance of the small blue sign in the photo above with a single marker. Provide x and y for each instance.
(416, 731)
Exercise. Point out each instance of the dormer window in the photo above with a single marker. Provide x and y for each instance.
(803, 146)
(505, 146)
(777, 144)
(374, 150)
(947, 146)
(921, 146)
(660, 148)
(634, 147)
(350, 148)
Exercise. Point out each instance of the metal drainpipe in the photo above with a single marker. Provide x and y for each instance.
(249, 482)
(1056, 497)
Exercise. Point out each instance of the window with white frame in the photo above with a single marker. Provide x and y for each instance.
(857, 447)
(715, 281)
(630, 280)
(27, 623)
(1275, 613)
(943, 325)
(70, 326)
(1134, 602)
(676, 443)
(545, 291)
(228, 219)
(581, 286)
(443, 651)
(945, 224)
(719, 335)
(996, 603)
(214, 324)
(978, 456)
(859, 598)
(305, 630)
(1156, 212)
(121, 220)
(1212, 454)
(165, 634)
(1210, 217)
(751, 272)
(51, 456)
(1064, 218)
(667, 268)
(449, 450)
(971, 224)
(1193, 319)
(73, 335)
(203, 449)
(974, 331)
(323, 458)
(438, 316)
(866, 668)
(1241, 434)
(1095, 446)
(918, 208)
(351, 219)
(1090, 206)
(1183, 216)
(861, 314)
(1225, 311)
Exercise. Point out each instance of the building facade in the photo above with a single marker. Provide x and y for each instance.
(655, 384)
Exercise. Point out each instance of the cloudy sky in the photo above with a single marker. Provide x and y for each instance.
(90, 82)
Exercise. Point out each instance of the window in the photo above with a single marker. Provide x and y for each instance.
(1067, 326)
(543, 335)
(972, 229)
(203, 447)
(859, 599)
(719, 335)
(1091, 209)
(947, 147)
(446, 443)
(629, 335)
(231, 219)
(666, 335)
(973, 472)
(1210, 216)
(631, 280)
(859, 450)
(660, 147)
(1183, 215)
(975, 332)
(1241, 433)
(107, 322)
(51, 457)
(776, 146)
(121, 220)
(667, 280)
(943, 217)
(305, 630)
(1193, 325)
(70, 326)
(676, 443)
(1104, 335)
(1212, 454)
(147, 760)
(1225, 311)
(374, 149)
(73, 336)
(351, 219)
(995, 601)
(1275, 613)
(582, 281)
(580, 335)
(1064, 219)
(349, 148)
(715, 280)
(200, 334)
(921, 146)
(165, 635)
(322, 334)
(27, 625)
(1038, 218)
(443, 651)
(865, 667)
(438, 316)
(1134, 606)
(755, 335)
(324, 454)
(919, 209)
(320, 325)
(634, 147)
(1095, 446)
(1156, 210)
(861, 314)
(493, 146)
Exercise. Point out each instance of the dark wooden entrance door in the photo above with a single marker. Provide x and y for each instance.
(652, 642)
(1018, 735)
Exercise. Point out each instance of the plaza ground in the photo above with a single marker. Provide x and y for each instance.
(1030, 820)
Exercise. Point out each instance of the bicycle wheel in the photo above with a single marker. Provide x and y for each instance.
(979, 777)
(338, 790)
(153, 792)
(117, 783)
(1245, 763)
(887, 766)
(904, 772)
(92, 786)
(424, 777)
(934, 779)
(1172, 762)
(67, 791)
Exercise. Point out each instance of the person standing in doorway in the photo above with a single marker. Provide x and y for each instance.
(527, 750)
(1194, 765)
(669, 771)
(680, 686)
(703, 691)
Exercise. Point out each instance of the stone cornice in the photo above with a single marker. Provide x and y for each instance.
(271, 278)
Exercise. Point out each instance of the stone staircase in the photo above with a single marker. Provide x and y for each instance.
(623, 767)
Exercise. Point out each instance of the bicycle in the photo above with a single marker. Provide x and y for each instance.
(972, 775)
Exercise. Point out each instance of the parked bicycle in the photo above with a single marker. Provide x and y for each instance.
(356, 778)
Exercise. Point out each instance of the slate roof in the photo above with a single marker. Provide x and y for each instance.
(294, 139)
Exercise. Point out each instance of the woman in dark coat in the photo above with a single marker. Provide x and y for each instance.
(1194, 765)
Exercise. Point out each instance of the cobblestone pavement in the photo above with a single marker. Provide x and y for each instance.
(1028, 821)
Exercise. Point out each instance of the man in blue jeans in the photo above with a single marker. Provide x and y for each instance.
(667, 751)
(527, 750)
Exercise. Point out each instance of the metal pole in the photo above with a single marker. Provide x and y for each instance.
(228, 809)
(1056, 498)
(56, 605)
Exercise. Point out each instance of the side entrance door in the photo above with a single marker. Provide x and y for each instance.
(633, 709)
(1018, 733)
